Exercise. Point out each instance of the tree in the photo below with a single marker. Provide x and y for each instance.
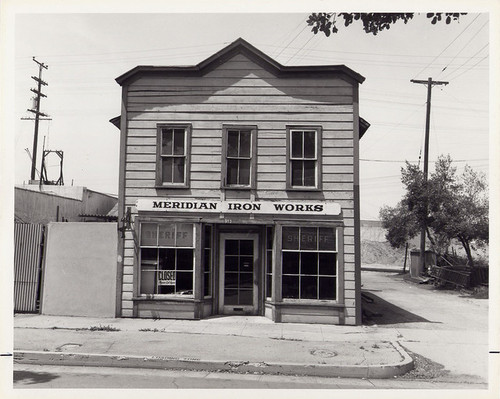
(372, 22)
(447, 205)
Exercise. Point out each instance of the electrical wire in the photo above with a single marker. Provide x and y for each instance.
(453, 41)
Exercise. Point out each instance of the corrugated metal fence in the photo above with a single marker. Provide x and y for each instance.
(28, 252)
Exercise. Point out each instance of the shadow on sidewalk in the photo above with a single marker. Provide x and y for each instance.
(378, 311)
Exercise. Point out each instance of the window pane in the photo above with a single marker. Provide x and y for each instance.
(167, 259)
(309, 263)
(269, 237)
(207, 237)
(297, 173)
(166, 170)
(327, 264)
(244, 172)
(166, 141)
(232, 171)
(327, 239)
(246, 297)
(149, 255)
(290, 238)
(232, 143)
(297, 144)
(327, 288)
(206, 284)
(246, 247)
(310, 173)
(290, 262)
(231, 263)
(206, 260)
(149, 234)
(269, 267)
(166, 289)
(310, 144)
(231, 297)
(178, 170)
(269, 285)
(148, 278)
(231, 247)
(309, 287)
(245, 145)
(308, 238)
(246, 280)
(184, 235)
(166, 235)
(179, 142)
(246, 264)
(231, 280)
(290, 287)
(184, 259)
(184, 283)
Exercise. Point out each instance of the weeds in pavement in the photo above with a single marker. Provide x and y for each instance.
(103, 328)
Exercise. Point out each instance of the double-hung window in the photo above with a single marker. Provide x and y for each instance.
(309, 263)
(304, 158)
(172, 167)
(239, 156)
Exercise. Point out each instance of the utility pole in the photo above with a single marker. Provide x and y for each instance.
(429, 82)
(36, 111)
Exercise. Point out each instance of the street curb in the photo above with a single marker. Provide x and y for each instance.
(160, 362)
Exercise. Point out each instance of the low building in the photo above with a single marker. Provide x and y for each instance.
(241, 178)
(34, 203)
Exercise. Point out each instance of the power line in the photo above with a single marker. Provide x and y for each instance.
(482, 59)
(465, 45)
(453, 41)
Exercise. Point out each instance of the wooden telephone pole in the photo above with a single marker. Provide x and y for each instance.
(429, 82)
(36, 111)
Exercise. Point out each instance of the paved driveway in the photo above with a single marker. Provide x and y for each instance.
(442, 325)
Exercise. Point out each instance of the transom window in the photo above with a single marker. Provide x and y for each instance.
(173, 155)
(239, 153)
(309, 263)
(167, 259)
(304, 158)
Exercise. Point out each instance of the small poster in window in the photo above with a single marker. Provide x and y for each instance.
(166, 277)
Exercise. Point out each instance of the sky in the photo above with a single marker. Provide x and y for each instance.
(85, 52)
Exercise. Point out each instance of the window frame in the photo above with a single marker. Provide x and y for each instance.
(338, 264)
(289, 158)
(253, 157)
(159, 157)
(158, 247)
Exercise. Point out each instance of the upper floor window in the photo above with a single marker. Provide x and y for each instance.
(304, 158)
(239, 156)
(173, 155)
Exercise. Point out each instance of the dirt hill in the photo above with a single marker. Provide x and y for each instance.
(381, 253)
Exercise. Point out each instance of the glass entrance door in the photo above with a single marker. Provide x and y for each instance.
(238, 274)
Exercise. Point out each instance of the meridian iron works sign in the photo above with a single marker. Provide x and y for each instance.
(257, 207)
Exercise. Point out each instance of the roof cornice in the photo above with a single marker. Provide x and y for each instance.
(241, 46)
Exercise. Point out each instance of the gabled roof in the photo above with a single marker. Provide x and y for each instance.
(241, 46)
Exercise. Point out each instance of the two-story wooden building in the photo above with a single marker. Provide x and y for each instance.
(241, 176)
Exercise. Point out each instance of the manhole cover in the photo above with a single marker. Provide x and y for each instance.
(323, 352)
(67, 346)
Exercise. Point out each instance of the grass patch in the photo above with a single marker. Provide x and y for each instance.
(103, 328)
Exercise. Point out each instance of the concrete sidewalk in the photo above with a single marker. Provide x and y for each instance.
(235, 343)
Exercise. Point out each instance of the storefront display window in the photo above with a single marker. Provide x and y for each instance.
(207, 261)
(269, 261)
(309, 263)
(167, 259)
